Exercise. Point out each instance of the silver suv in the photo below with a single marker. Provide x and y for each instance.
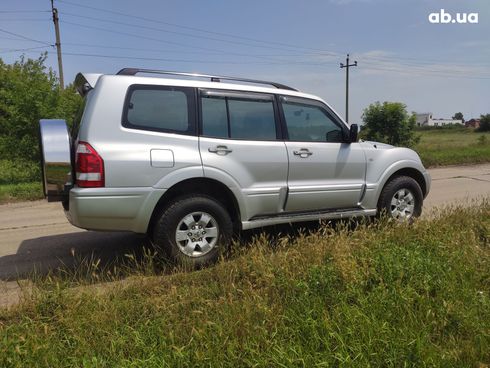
(189, 159)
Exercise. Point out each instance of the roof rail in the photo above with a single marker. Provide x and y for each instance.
(214, 78)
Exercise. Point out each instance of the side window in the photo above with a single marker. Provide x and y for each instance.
(238, 118)
(252, 120)
(310, 123)
(214, 117)
(166, 109)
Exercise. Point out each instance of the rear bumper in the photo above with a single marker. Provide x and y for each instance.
(119, 209)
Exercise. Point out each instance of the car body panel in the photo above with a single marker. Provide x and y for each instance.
(120, 209)
(259, 181)
(332, 177)
(382, 162)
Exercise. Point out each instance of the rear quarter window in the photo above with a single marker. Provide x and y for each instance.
(160, 108)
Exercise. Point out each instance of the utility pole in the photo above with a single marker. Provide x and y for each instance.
(58, 43)
(347, 66)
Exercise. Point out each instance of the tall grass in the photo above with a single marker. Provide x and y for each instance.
(20, 180)
(379, 294)
(453, 146)
(21, 171)
(21, 192)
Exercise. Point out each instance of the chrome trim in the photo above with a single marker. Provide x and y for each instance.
(220, 150)
(303, 153)
(252, 224)
(324, 188)
(56, 158)
(237, 95)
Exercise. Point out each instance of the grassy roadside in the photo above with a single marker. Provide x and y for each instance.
(382, 295)
(20, 192)
(19, 181)
(453, 146)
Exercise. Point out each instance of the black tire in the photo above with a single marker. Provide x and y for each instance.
(392, 188)
(171, 222)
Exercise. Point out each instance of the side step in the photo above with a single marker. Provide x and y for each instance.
(285, 218)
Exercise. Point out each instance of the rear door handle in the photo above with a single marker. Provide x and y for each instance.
(220, 150)
(303, 153)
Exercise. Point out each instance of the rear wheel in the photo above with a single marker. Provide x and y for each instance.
(193, 231)
(401, 199)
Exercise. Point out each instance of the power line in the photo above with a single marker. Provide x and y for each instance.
(167, 42)
(25, 37)
(198, 36)
(408, 59)
(132, 16)
(24, 11)
(167, 50)
(318, 51)
(26, 49)
(16, 39)
(424, 69)
(416, 62)
(300, 62)
(175, 60)
(417, 65)
(25, 19)
(212, 50)
(252, 62)
(428, 74)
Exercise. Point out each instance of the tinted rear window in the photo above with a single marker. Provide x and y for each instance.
(238, 118)
(252, 120)
(166, 109)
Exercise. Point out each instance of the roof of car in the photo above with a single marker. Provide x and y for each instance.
(87, 81)
(156, 77)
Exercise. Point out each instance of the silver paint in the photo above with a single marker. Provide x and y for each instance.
(267, 178)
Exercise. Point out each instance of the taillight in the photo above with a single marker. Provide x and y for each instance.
(89, 167)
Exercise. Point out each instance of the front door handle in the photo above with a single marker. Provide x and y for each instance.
(303, 153)
(220, 150)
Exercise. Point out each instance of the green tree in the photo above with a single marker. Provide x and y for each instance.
(29, 91)
(389, 123)
(484, 123)
(458, 116)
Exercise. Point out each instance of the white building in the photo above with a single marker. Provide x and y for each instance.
(426, 119)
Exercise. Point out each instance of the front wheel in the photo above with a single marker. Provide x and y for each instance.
(193, 231)
(401, 199)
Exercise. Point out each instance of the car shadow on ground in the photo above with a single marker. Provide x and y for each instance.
(70, 253)
(39, 256)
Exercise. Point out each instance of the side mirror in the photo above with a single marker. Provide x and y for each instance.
(353, 133)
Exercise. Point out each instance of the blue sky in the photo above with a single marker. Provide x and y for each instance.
(439, 68)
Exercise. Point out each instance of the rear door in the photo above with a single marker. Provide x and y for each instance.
(324, 172)
(240, 143)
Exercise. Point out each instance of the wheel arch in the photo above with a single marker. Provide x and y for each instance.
(409, 168)
(412, 173)
(205, 186)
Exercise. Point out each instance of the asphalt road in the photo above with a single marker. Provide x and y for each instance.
(35, 236)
